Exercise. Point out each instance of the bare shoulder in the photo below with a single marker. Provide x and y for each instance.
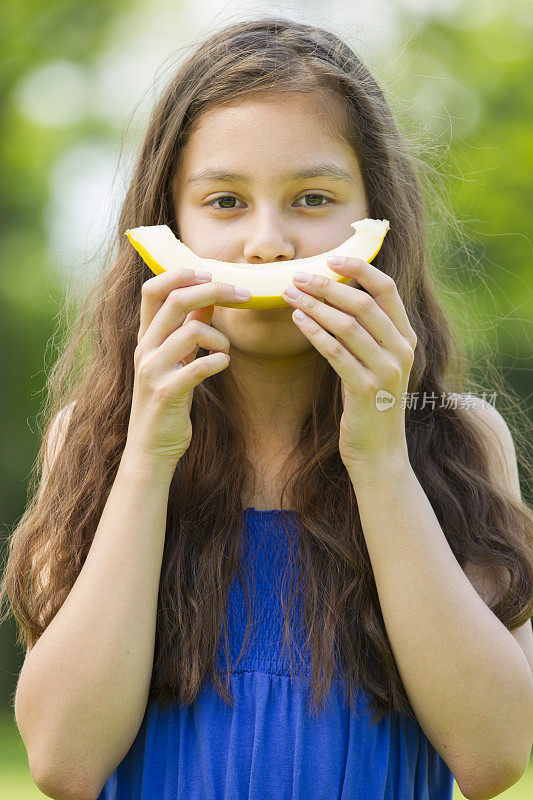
(54, 440)
(490, 583)
(57, 431)
(503, 464)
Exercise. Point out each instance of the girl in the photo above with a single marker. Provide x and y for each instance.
(173, 476)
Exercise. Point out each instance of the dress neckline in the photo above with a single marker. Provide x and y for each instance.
(270, 510)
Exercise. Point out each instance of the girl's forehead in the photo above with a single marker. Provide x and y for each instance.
(285, 109)
(226, 139)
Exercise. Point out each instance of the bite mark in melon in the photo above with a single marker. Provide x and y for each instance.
(162, 251)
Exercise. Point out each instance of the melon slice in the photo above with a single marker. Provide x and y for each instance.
(161, 251)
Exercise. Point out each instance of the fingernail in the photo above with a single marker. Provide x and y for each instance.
(336, 260)
(240, 291)
(201, 275)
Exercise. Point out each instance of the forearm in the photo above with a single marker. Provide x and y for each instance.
(466, 677)
(83, 688)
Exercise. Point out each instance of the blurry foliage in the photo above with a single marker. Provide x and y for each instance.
(470, 84)
(465, 80)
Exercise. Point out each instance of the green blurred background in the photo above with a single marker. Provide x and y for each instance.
(77, 82)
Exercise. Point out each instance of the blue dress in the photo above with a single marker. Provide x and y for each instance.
(267, 747)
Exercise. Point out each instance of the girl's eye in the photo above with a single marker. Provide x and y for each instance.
(231, 208)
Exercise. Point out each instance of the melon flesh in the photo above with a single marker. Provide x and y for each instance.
(162, 251)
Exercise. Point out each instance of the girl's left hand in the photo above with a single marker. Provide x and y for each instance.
(372, 349)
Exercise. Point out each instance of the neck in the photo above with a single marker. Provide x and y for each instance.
(273, 396)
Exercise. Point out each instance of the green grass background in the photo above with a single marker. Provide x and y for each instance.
(16, 782)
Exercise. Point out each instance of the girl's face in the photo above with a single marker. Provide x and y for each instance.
(261, 213)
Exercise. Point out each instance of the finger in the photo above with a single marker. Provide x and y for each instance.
(358, 310)
(156, 290)
(204, 314)
(382, 288)
(346, 364)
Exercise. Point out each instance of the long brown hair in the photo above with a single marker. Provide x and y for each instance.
(93, 380)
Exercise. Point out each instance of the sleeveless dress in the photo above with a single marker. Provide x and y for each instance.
(267, 747)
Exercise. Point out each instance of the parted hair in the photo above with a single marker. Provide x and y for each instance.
(89, 393)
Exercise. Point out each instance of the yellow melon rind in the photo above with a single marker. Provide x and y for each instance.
(161, 250)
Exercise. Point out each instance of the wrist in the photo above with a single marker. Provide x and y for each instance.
(140, 466)
(373, 471)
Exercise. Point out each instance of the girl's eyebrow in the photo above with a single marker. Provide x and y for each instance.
(314, 171)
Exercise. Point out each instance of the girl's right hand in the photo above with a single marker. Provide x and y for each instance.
(166, 367)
